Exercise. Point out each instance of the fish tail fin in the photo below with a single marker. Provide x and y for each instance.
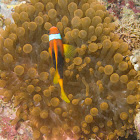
(56, 77)
(69, 51)
(63, 94)
(64, 97)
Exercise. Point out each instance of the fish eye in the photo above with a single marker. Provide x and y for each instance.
(48, 32)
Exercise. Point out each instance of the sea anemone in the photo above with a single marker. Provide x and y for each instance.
(99, 80)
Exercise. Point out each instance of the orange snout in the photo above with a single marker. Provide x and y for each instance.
(54, 30)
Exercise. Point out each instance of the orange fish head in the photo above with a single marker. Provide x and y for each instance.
(54, 30)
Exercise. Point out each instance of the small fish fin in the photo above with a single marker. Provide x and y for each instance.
(64, 97)
(69, 51)
(63, 94)
(56, 77)
(50, 52)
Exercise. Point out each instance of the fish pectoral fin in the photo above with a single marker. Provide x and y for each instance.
(50, 52)
(56, 77)
(69, 51)
(64, 97)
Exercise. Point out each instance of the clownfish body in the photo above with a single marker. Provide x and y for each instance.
(56, 50)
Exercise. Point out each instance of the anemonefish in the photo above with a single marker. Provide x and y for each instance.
(59, 52)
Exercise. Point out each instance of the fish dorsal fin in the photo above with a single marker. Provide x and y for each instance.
(69, 51)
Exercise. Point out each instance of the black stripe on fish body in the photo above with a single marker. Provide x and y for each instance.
(54, 60)
(60, 64)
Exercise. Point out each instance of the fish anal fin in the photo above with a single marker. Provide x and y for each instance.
(56, 77)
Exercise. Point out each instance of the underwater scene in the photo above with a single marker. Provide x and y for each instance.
(69, 69)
